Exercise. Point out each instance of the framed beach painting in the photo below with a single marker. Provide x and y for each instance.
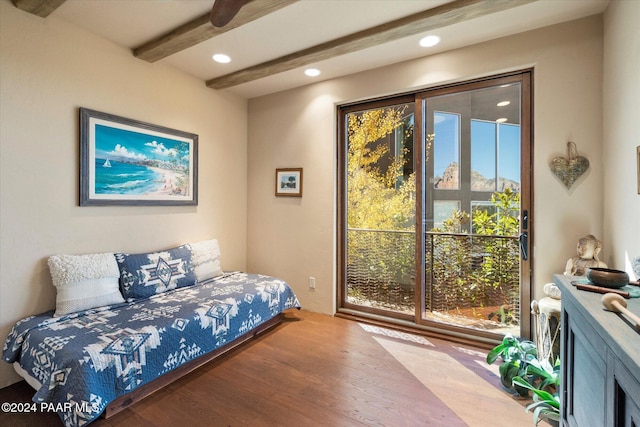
(128, 162)
(289, 182)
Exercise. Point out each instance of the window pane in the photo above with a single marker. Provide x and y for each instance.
(442, 210)
(483, 156)
(509, 157)
(446, 150)
(380, 245)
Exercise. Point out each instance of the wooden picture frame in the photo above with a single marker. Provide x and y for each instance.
(128, 162)
(289, 182)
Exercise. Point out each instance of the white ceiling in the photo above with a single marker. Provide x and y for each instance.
(301, 25)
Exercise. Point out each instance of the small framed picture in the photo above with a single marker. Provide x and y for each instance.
(289, 182)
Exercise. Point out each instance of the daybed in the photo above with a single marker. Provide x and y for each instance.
(168, 313)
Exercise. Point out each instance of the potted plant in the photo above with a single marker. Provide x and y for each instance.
(516, 354)
(546, 401)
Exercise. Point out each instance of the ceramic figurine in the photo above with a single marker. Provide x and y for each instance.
(588, 249)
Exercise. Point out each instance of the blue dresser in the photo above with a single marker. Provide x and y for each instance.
(600, 356)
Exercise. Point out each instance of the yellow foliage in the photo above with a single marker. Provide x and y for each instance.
(377, 199)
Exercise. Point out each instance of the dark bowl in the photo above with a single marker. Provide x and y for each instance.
(607, 277)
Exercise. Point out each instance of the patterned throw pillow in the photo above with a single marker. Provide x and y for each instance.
(147, 274)
(84, 281)
(206, 259)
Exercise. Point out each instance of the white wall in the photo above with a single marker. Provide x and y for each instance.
(621, 133)
(48, 69)
(294, 238)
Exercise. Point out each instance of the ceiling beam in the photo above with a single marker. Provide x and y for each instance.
(201, 29)
(41, 8)
(438, 17)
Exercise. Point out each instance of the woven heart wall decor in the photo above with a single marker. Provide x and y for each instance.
(569, 168)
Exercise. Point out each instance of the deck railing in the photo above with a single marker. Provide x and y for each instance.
(465, 274)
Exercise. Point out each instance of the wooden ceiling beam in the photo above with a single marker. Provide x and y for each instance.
(438, 17)
(41, 8)
(201, 29)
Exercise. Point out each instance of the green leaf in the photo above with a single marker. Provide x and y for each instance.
(543, 395)
(543, 413)
(507, 372)
(532, 369)
(493, 355)
(550, 375)
(509, 340)
(529, 347)
(536, 405)
(517, 380)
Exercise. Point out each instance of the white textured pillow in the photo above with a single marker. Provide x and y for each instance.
(205, 257)
(85, 281)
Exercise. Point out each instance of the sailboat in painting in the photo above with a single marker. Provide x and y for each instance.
(107, 164)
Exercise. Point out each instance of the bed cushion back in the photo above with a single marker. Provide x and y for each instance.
(84, 281)
(146, 274)
(206, 259)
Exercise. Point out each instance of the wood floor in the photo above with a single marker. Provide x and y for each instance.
(318, 370)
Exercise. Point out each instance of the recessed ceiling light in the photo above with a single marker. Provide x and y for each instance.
(503, 103)
(221, 58)
(429, 41)
(312, 72)
(501, 120)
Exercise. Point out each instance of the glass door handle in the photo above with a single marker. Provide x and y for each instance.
(524, 244)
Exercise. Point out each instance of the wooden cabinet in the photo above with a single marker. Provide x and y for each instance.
(600, 356)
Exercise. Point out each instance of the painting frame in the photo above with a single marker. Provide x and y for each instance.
(128, 162)
(638, 160)
(289, 182)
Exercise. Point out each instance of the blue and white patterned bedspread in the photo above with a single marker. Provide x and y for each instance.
(86, 360)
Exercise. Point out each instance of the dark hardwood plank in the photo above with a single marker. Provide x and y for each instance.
(311, 370)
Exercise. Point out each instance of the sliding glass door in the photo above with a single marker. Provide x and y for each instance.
(434, 207)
